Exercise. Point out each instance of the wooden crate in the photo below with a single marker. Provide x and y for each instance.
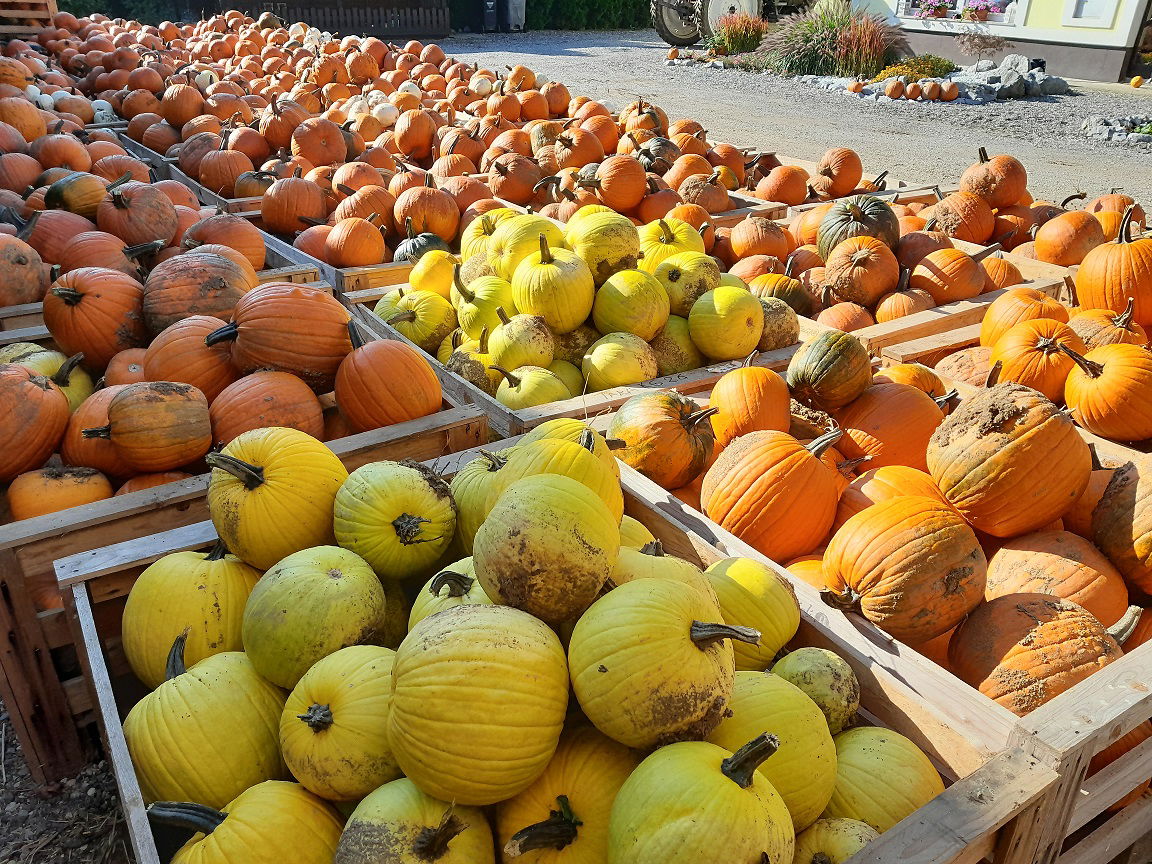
(48, 706)
(991, 788)
(25, 20)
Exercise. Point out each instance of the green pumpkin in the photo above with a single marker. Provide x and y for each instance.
(828, 681)
(618, 360)
(517, 238)
(521, 340)
(858, 216)
(228, 743)
(785, 288)
(685, 277)
(781, 325)
(455, 585)
(476, 302)
(608, 243)
(399, 517)
(829, 371)
(556, 285)
(726, 324)
(675, 351)
(307, 606)
(631, 301)
(529, 386)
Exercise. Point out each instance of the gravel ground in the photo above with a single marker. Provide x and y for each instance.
(77, 821)
(924, 143)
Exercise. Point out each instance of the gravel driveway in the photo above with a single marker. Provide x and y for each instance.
(922, 142)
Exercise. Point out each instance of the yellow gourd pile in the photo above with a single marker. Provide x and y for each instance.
(445, 728)
(539, 312)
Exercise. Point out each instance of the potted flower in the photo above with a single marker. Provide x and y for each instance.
(977, 10)
(933, 9)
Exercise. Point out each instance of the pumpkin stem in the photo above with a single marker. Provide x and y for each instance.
(985, 252)
(432, 843)
(408, 529)
(587, 440)
(502, 315)
(748, 360)
(69, 295)
(946, 398)
(401, 317)
(846, 601)
(97, 432)
(458, 584)
(880, 183)
(545, 252)
(555, 832)
(983, 153)
(508, 376)
(482, 347)
(994, 374)
(469, 296)
(1079, 196)
(217, 552)
(252, 476)
(1123, 629)
(1125, 318)
(191, 817)
(28, 227)
(318, 717)
(616, 444)
(174, 665)
(1125, 234)
(495, 460)
(142, 249)
(60, 379)
(354, 335)
(1090, 367)
(818, 445)
(655, 548)
(703, 635)
(115, 185)
(741, 766)
(227, 333)
(696, 416)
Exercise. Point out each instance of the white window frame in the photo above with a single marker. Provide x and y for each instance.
(1071, 20)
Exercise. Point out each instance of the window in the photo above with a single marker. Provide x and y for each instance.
(911, 9)
(1090, 13)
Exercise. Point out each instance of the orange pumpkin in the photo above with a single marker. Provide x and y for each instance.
(913, 374)
(51, 489)
(1000, 181)
(749, 399)
(662, 435)
(948, 275)
(1067, 240)
(1014, 306)
(98, 453)
(32, 422)
(264, 399)
(862, 270)
(1099, 327)
(291, 204)
(1112, 275)
(149, 481)
(1109, 391)
(157, 425)
(178, 353)
(882, 484)
(127, 367)
(965, 217)
(384, 382)
(1033, 353)
(891, 423)
(200, 282)
(96, 312)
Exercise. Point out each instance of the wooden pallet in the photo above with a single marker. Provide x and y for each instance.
(429, 19)
(38, 682)
(26, 19)
(899, 689)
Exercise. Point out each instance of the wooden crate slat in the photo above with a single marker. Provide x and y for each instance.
(1117, 834)
(1111, 784)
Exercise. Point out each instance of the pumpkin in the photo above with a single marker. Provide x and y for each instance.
(385, 382)
(52, 489)
(826, 679)
(837, 840)
(291, 203)
(530, 386)
(555, 285)
(577, 432)
(1078, 517)
(137, 213)
(157, 426)
(1008, 460)
(1114, 275)
(950, 274)
(829, 371)
(229, 230)
(896, 559)
(756, 235)
(97, 312)
(664, 237)
(1067, 240)
(663, 436)
(64, 372)
(1120, 523)
(126, 367)
(913, 374)
(1099, 327)
(269, 822)
(195, 283)
(752, 594)
(228, 693)
(862, 270)
(1001, 181)
(197, 594)
(881, 484)
(838, 173)
(803, 768)
(414, 826)
(726, 323)
(97, 453)
(517, 713)
(332, 730)
(890, 423)
(631, 301)
(1107, 389)
(179, 354)
(860, 215)
(748, 399)
(1063, 565)
(683, 658)
(1022, 650)
(271, 494)
(881, 777)
(968, 365)
(787, 184)
(1014, 306)
(686, 277)
(265, 398)
(309, 605)
(773, 492)
(734, 806)
(454, 586)
(289, 328)
(964, 216)
(608, 243)
(1035, 353)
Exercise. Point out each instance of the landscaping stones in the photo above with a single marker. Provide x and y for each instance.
(1119, 130)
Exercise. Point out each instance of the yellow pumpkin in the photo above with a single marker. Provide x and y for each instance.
(832, 841)
(310, 605)
(649, 667)
(631, 301)
(694, 801)
(571, 429)
(666, 237)
(423, 317)
(455, 585)
(489, 740)
(634, 534)
(826, 679)
(726, 323)
(562, 818)
(881, 777)
(650, 562)
(803, 769)
(196, 593)
(399, 517)
(556, 285)
(674, 349)
(752, 594)
(548, 544)
(618, 360)
(607, 241)
(476, 303)
(474, 491)
(231, 733)
(477, 234)
(518, 237)
(65, 372)
(433, 272)
(529, 386)
(408, 826)
(332, 730)
(269, 823)
(687, 276)
(577, 460)
(271, 494)
(521, 340)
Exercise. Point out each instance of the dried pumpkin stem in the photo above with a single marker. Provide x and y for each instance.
(402, 317)
(748, 360)
(64, 373)
(545, 252)
(994, 374)
(846, 601)
(696, 416)
(97, 432)
(251, 476)
(1125, 233)
(1123, 629)
(741, 766)
(1090, 367)
(143, 249)
(616, 443)
(1125, 318)
(655, 548)
(703, 634)
(174, 664)
(458, 584)
(408, 530)
(432, 843)
(555, 832)
(217, 552)
(818, 445)
(227, 333)
(354, 335)
(469, 296)
(191, 817)
(508, 376)
(318, 717)
(1078, 196)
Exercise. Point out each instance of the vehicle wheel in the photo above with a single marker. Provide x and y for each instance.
(708, 12)
(671, 26)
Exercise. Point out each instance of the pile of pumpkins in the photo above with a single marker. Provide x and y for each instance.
(538, 314)
(496, 667)
(969, 533)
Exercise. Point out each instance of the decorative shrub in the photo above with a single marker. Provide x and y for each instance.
(737, 34)
(924, 66)
(832, 39)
